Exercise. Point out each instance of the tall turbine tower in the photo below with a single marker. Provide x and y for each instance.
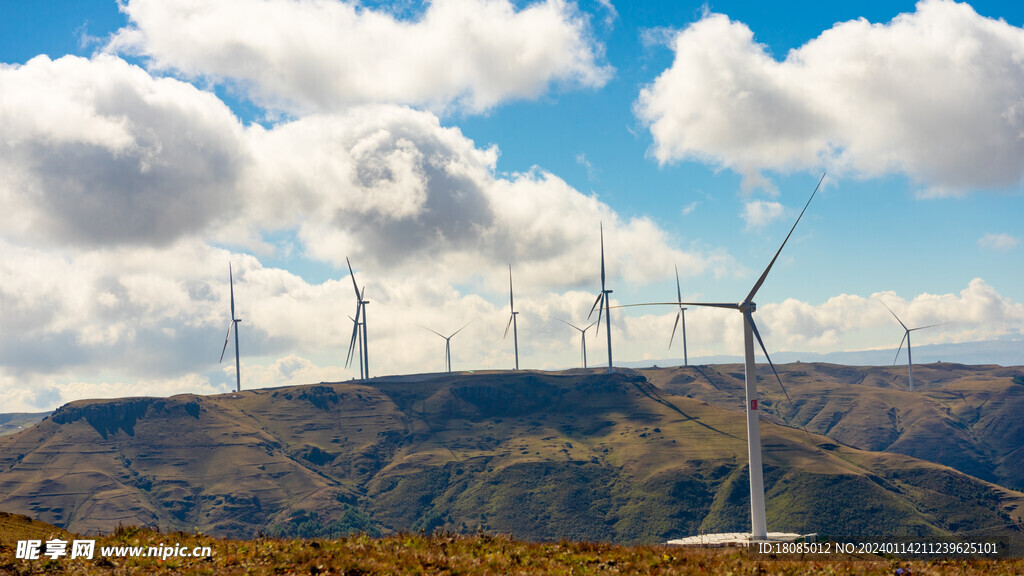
(233, 324)
(583, 338)
(679, 317)
(602, 304)
(512, 317)
(359, 328)
(758, 525)
(447, 343)
(906, 337)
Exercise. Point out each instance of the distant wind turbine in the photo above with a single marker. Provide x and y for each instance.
(359, 329)
(512, 317)
(758, 524)
(602, 305)
(234, 325)
(906, 338)
(447, 343)
(583, 338)
(679, 317)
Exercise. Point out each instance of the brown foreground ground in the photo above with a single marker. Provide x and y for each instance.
(468, 555)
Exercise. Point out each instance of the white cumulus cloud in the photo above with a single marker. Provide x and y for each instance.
(998, 241)
(936, 94)
(98, 152)
(760, 213)
(305, 56)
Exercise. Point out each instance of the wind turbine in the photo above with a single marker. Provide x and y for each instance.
(359, 328)
(906, 338)
(681, 316)
(512, 317)
(233, 324)
(602, 305)
(758, 524)
(583, 338)
(447, 343)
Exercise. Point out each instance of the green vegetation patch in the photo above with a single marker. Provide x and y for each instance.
(310, 524)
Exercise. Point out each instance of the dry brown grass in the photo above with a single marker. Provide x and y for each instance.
(471, 555)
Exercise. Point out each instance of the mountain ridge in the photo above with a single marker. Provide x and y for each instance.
(543, 456)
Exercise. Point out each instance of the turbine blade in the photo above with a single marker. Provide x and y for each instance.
(226, 338)
(900, 349)
(589, 325)
(352, 275)
(511, 300)
(351, 348)
(753, 328)
(434, 331)
(352, 342)
(930, 326)
(894, 315)
(602, 256)
(567, 324)
(600, 310)
(727, 305)
(594, 307)
(231, 281)
(460, 329)
(507, 326)
(674, 326)
(679, 291)
(764, 274)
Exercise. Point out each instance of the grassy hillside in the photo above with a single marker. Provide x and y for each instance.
(965, 417)
(538, 455)
(478, 555)
(14, 527)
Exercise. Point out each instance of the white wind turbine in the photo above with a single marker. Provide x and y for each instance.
(583, 338)
(447, 343)
(680, 318)
(602, 305)
(233, 325)
(906, 338)
(758, 524)
(359, 329)
(512, 317)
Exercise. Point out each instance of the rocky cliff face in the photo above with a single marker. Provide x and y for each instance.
(111, 417)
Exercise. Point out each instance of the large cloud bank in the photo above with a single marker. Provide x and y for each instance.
(126, 192)
(307, 56)
(122, 190)
(937, 94)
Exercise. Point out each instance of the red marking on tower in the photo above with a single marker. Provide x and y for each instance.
(753, 404)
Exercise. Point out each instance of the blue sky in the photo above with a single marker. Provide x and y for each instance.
(436, 144)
